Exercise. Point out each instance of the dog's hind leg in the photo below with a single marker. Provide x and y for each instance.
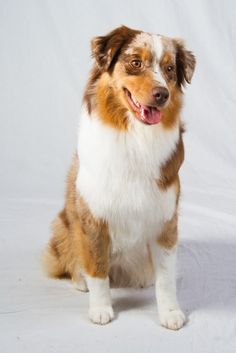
(57, 259)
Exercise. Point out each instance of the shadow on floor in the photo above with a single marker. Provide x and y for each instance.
(206, 278)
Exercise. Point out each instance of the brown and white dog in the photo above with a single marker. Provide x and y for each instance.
(119, 223)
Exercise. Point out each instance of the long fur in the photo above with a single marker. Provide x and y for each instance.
(123, 186)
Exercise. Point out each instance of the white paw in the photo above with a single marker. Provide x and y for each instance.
(172, 319)
(101, 314)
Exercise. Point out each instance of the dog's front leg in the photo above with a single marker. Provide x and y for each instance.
(94, 258)
(164, 262)
(100, 308)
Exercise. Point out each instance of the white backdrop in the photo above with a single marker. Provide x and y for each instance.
(44, 63)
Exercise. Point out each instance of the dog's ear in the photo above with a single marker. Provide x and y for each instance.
(106, 49)
(185, 63)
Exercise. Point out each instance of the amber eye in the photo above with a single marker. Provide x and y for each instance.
(170, 68)
(137, 64)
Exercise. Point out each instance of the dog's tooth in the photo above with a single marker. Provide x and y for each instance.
(142, 114)
(138, 105)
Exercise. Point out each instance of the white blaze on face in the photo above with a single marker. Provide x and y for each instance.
(158, 49)
(155, 44)
(141, 40)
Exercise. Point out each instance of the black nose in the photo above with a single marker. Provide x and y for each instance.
(161, 94)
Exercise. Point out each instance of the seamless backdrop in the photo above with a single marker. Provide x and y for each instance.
(44, 63)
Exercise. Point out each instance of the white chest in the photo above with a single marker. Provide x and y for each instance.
(117, 178)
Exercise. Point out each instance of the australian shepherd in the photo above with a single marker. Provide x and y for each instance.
(119, 223)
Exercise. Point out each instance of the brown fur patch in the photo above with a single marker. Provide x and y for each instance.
(88, 98)
(93, 241)
(185, 63)
(71, 193)
(79, 239)
(170, 114)
(109, 107)
(57, 258)
(169, 235)
(141, 87)
(169, 170)
(166, 59)
(106, 51)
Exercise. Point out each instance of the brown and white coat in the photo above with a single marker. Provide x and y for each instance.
(119, 223)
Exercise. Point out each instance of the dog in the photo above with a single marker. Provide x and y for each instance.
(119, 223)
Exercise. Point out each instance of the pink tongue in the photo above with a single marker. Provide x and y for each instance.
(150, 115)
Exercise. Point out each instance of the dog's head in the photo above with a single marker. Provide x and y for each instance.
(145, 72)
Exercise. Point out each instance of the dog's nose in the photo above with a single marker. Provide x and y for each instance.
(161, 94)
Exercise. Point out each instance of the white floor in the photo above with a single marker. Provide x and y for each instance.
(42, 315)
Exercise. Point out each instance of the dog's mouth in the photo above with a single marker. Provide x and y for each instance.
(147, 114)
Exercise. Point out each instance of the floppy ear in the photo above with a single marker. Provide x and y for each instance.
(106, 49)
(185, 63)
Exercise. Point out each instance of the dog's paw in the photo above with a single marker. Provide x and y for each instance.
(172, 319)
(101, 314)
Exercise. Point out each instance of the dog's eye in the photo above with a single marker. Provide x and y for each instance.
(170, 68)
(137, 64)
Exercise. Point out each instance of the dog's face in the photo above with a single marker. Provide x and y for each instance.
(145, 70)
